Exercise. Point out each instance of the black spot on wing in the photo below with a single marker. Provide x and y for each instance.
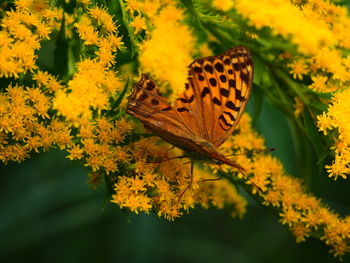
(200, 61)
(154, 102)
(225, 121)
(244, 77)
(211, 59)
(182, 109)
(232, 106)
(166, 109)
(222, 127)
(230, 115)
(219, 67)
(249, 61)
(236, 66)
(224, 92)
(197, 69)
(209, 68)
(143, 96)
(200, 77)
(216, 101)
(227, 61)
(223, 78)
(187, 100)
(239, 95)
(213, 82)
(205, 91)
(150, 85)
(232, 83)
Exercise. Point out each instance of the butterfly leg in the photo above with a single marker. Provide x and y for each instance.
(189, 185)
(213, 179)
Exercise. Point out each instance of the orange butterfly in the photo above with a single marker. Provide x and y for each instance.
(206, 113)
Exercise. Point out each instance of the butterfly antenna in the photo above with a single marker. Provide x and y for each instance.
(257, 151)
(250, 180)
(188, 186)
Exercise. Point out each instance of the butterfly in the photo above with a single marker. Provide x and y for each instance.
(208, 111)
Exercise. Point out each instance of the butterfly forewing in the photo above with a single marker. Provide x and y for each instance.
(221, 86)
(239, 72)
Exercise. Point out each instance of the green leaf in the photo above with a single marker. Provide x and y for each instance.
(258, 96)
(259, 69)
(115, 107)
(313, 134)
(61, 52)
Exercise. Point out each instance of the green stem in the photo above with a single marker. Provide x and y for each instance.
(291, 84)
(126, 23)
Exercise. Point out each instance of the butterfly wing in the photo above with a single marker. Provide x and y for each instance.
(217, 92)
(175, 125)
(210, 107)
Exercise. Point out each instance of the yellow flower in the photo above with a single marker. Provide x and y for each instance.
(289, 21)
(338, 168)
(86, 92)
(87, 33)
(319, 83)
(20, 36)
(223, 5)
(298, 68)
(300, 231)
(40, 102)
(22, 4)
(103, 18)
(331, 60)
(168, 38)
(299, 106)
(75, 153)
(336, 119)
(133, 5)
(47, 80)
(149, 8)
(139, 24)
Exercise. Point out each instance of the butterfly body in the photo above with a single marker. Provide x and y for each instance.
(206, 113)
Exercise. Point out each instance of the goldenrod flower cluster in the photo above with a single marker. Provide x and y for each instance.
(165, 184)
(335, 123)
(47, 112)
(20, 37)
(162, 43)
(301, 55)
(304, 214)
(324, 57)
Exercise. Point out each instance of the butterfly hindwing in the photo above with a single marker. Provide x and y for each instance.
(173, 124)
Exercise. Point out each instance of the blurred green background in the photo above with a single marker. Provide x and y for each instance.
(49, 214)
